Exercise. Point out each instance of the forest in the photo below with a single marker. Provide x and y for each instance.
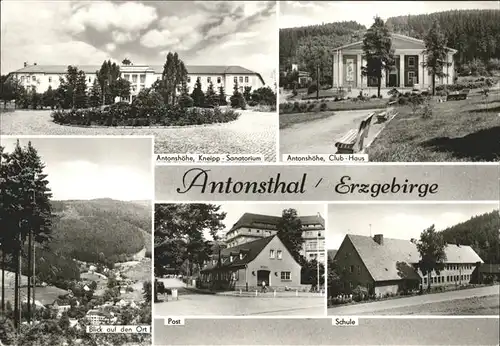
(474, 33)
(481, 233)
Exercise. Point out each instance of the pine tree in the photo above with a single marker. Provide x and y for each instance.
(222, 96)
(95, 98)
(237, 100)
(107, 75)
(211, 96)
(49, 98)
(435, 48)
(378, 52)
(26, 208)
(197, 94)
(80, 98)
(247, 93)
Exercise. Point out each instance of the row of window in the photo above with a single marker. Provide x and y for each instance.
(458, 266)
(450, 278)
(275, 254)
(314, 245)
(142, 78)
(286, 276)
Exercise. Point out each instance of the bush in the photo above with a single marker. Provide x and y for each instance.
(323, 107)
(185, 101)
(374, 96)
(125, 114)
(312, 88)
(303, 107)
(238, 101)
(310, 107)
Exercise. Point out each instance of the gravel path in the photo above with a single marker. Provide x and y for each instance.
(252, 133)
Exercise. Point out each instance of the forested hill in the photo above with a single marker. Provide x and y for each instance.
(329, 35)
(100, 230)
(481, 233)
(474, 33)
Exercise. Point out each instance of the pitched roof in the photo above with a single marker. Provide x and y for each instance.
(251, 250)
(392, 260)
(270, 221)
(192, 69)
(398, 42)
(331, 254)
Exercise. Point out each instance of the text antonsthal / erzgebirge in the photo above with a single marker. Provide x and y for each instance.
(199, 180)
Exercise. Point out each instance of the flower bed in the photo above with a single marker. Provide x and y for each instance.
(124, 114)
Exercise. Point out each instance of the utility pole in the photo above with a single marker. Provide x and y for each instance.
(317, 82)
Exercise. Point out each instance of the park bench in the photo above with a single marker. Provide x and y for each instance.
(462, 95)
(352, 141)
(388, 113)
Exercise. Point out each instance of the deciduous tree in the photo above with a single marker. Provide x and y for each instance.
(432, 252)
(437, 53)
(290, 232)
(378, 51)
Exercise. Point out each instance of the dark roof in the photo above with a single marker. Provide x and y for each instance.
(391, 260)
(251, 250)
(270, 221)
(331, 254)
(192, 69)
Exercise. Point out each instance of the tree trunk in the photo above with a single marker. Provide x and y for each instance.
(433, 84)
(28, 298)
(379, 83)
(3, 279)
(17, 258)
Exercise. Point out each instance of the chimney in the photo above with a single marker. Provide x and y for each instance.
(379, 239)
(25, 64)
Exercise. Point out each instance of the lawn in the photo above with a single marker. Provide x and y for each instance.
(466, 130)
(485, 306)
(289, 119)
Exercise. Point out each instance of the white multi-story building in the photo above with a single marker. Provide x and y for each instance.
(41, 77)
(251, 227)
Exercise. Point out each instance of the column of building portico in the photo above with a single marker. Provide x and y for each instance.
(335, 69)
(341, 68)
(359, 76)
(401, 70)
(421, 70)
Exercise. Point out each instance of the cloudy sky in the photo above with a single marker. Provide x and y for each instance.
(88, 168)
(303, 13)
(399, 221)
(236, 210)
(202, 32)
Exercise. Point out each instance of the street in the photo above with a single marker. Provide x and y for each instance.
(193, 304)
(322, 332)
(474, 301)
(215, 305)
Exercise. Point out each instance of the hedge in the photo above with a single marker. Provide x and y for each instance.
(124, 114)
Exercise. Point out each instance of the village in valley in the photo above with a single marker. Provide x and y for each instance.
(79, 262)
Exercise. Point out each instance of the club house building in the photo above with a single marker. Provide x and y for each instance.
(407, 72)
(41, 77)
(386, 266)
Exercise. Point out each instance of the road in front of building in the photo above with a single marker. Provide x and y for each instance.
(322, 332)
(474, 301)
(253, 133)
(216, 305)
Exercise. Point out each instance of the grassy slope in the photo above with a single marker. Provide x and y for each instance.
(467, 130)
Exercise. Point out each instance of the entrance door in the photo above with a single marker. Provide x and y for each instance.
(263, 275)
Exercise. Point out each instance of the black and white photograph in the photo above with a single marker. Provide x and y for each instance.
(75, 242)
(398, 81)
(239, 259)
(413, 259)
(198, 75)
